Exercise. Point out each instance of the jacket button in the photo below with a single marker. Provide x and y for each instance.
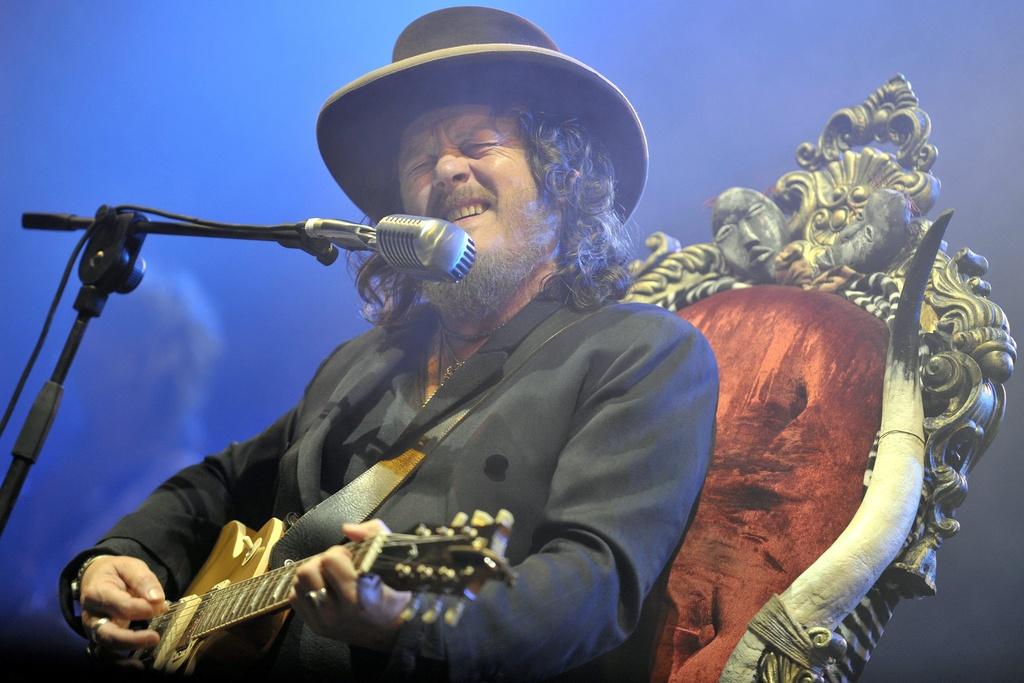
(495, 467)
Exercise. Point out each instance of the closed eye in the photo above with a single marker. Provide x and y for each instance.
(476, 149)
(417, 167)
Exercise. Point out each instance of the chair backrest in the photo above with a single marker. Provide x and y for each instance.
(796, 294)
(801, 378)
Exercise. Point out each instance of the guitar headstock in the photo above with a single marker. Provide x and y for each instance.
(452, 560)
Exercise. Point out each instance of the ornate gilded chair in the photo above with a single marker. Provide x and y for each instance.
(799, 294)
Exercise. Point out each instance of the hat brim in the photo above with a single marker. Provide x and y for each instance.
(360, 125)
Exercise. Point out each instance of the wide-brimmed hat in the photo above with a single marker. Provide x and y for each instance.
(470, 55)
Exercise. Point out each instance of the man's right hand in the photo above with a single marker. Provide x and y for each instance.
(122, 590)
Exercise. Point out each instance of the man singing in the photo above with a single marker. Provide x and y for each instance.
(591, 421)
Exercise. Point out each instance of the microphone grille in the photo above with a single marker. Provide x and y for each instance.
(399, 249)
(465, 262)
(426, 248)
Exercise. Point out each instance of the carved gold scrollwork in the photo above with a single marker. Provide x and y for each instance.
(672, 277)
(828, 195)
(824, 201)
(775, 668)
(972, 355)
(975, 325)
(889, 114)
(826, 646)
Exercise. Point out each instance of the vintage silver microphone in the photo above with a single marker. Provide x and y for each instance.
(421, 247)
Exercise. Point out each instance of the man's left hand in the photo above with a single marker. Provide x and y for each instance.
(336, 602)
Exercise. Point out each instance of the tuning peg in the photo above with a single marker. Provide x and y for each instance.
(431, 615)
(444, 531)
(504, 518)
(499, 544)
(412, 608)
(422, 530)
(454, 613)
(481, 518)
(459, 519)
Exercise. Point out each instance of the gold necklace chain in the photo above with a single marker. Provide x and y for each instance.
(442, 344)
(450, 370)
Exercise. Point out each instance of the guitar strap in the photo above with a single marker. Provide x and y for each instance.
(361, 497)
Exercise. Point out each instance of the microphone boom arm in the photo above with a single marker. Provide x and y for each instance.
(422, 247)
(292, 236)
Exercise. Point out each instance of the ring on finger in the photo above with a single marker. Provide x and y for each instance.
(317, 597)
(94, 629)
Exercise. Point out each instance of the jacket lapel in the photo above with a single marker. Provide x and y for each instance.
(360, 380)
(480, 370)
(378, 364)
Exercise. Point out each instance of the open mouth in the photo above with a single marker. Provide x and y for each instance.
(466, 211)
(761, 254)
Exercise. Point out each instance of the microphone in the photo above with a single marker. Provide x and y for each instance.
(421, 247)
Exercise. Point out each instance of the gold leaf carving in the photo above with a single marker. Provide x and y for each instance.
(971, 355)
(672, 277)
(824, 201)
(889, 115)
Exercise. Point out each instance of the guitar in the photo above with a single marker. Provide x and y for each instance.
(235, 608)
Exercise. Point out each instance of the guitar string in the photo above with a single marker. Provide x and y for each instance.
(384, 563)
(222, 596)
(176, 630)
(238, 590)
(214, 598)
(243, 592)
(245, 595)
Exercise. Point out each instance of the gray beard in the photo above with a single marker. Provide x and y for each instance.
(491, 283)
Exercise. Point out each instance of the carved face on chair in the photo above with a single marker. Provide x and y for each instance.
(749, 230)
(870, 244)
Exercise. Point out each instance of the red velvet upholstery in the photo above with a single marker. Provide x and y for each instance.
(800, 402)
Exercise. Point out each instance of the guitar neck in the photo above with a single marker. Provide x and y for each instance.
(450, 563)
(244, 600)
(263, 594)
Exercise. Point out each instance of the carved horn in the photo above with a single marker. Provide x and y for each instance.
(831, 587)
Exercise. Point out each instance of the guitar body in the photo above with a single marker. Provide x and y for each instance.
(239, 554)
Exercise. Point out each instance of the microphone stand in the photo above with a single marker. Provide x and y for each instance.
(111, 263)
(291, 235)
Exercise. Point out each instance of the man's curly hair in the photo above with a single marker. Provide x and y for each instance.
(574, 174)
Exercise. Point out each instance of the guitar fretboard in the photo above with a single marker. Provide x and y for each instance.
(265, 593)
(268, 592)
(240, 601)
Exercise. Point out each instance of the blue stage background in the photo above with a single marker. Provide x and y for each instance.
(209, 109)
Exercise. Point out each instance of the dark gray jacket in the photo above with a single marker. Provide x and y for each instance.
(598, 444)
